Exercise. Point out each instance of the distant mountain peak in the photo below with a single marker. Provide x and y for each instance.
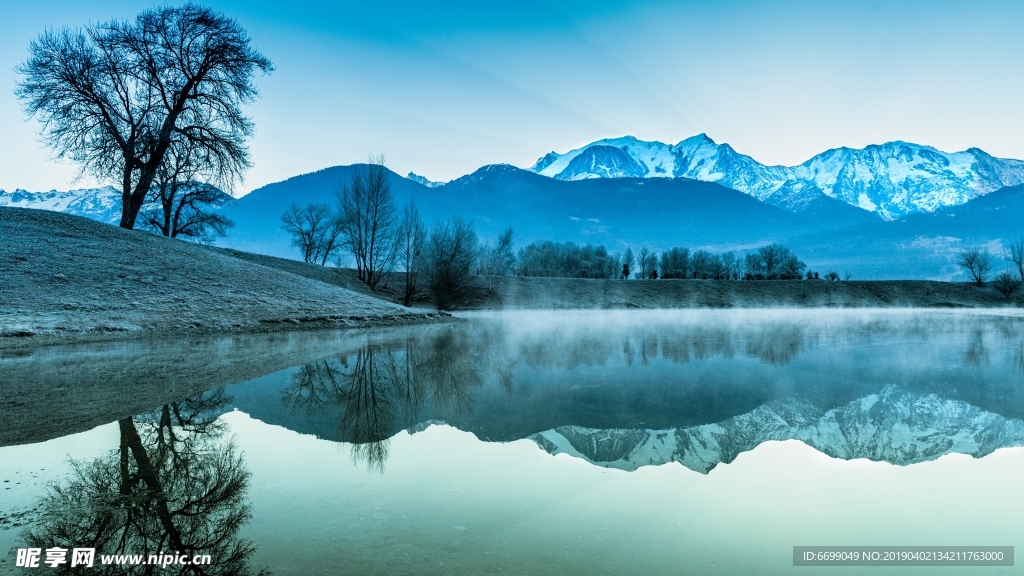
(603, 162)
(703, 137)
(103, 204)
(499, 168)
(891, 179)
(544, 161)
(423, 180)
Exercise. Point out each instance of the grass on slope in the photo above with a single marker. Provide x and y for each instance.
(62, 274)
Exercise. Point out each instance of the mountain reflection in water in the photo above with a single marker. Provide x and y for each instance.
(656, 389)
(615, 390)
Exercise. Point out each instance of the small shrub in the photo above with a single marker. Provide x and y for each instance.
(1007, 284)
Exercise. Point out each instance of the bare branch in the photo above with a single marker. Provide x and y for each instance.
(114, 98)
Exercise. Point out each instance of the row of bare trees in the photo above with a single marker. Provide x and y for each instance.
(367, 225)
(771, 262)
(978, 264)
(364, 222)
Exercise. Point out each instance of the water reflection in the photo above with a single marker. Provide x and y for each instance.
(175, 484)
(894, 426)
(658, 389)
(381, 388)
(648, 388)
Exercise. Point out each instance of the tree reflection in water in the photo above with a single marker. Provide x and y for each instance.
(381, 388)
(176, 484)
(384, 386)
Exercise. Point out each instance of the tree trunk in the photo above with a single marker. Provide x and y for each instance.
(130, 437)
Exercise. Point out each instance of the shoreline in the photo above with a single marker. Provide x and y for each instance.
(265, 327)
(66, 279)
(515, 293)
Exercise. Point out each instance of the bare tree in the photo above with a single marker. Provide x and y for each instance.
(641, 263)
(647, 261)
(369, 221)
(113, 97)
(451, 255)
(627, 263)
(184, 205)
(499, 260)
(773, 262)
(315, 231)
(730, 266)
(1015, 253)
(705, 265)
(411, 239)
(675, 263)
(977, 263)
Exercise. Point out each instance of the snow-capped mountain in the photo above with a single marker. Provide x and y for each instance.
(891, 179)
(423, 180)
(103, 204)
(894, 426)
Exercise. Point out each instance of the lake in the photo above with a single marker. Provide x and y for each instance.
(616, 442)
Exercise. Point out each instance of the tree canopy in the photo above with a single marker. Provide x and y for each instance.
(115, 97)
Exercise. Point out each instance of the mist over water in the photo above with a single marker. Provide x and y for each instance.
(446, 448)
(621, 376)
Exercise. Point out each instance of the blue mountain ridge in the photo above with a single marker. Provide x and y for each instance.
(661, 213)
(617, 212)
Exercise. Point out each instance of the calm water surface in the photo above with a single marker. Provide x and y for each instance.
(656, 442)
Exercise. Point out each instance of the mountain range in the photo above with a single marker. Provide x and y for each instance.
(614, 212)
(663, 212)
(892, 179)
(103, 204)
(889, 211)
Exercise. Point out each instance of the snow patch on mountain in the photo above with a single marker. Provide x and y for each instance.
(603, 162)
(102, 204)
(894, 426)
(891, 179)
(423, 180)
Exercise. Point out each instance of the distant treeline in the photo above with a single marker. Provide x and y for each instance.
(570, 260)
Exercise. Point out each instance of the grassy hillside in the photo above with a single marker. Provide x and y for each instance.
(64, 276)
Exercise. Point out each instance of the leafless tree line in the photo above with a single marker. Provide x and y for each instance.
(364, 222)
(367, 224)
(978, 264)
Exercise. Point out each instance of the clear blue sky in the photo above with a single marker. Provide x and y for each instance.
(443, 89)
